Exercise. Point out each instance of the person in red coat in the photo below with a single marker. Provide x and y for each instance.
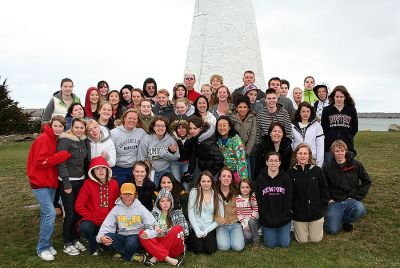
(43, 178)
(95, 200)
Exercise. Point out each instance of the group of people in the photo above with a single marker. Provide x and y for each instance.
(147, 176)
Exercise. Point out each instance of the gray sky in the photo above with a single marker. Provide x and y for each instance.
(353, 43)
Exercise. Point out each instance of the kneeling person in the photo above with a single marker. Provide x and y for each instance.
(121, 227)
(348, 184)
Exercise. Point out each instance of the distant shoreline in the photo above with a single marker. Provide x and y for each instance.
(379, 115)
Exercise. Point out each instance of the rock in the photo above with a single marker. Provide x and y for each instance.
(394, 127)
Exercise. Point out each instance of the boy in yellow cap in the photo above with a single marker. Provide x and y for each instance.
(121, 227)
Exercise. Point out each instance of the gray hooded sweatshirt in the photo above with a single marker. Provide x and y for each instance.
(126, 145)
(155, 150)
(126, 220)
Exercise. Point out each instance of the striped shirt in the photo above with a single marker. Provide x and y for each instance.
(246, 209)
(265, 119)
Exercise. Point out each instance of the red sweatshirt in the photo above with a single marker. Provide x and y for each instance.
(42, 160)
(95, 200)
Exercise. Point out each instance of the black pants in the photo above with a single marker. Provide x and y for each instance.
(70, 233)
(89, 230)
(207, 245)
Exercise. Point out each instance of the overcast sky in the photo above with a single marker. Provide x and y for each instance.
(353, 43)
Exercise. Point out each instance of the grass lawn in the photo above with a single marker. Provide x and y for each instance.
(375, 241)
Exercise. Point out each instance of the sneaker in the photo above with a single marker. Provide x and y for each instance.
(96, 253)
(71, 250)
(53, 251)
(117, 257)
(347, 227)
(139, 257)
(79, 246)
(46, 255)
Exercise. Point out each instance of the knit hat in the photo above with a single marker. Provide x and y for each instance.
(128, 188)
(250, 88)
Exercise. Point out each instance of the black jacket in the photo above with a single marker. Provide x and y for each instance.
(310, 192)
(266, 146)
(349, 180)
(145, 193)
(207, 155)
(166, 111)
(274, 198)
(339, 125)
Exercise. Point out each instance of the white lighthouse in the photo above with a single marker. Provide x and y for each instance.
(224, 41)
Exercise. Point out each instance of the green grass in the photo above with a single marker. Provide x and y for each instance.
(375, 241)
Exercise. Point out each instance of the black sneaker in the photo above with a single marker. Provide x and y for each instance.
(347, 227)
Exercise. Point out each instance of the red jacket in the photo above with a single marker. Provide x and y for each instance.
(42, 160)
(193, 95)
(95, 200)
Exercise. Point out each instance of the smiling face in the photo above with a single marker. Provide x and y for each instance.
(303, 156)
(201, 105)
(276, 134)
(180, 108)
(57, 127)
(271, 100)
(166, 183)
(222, 94)
(273, 163)
(223, 128)
(276, 85)
(113, 98)
(206, 91)
(181, 131)
(94, 97)
(162, 99)
(136, 97)
(248, 79)
(215, 83)
(77, 111)
(339, 153)
(160, 128)
(205, 183)
(321, 92)
(106, 111)
(252, 94)
(139, 174)
(126, 94)
(226, 178)
(128, 199)
(245, 188)
(130, 121)
(66, 88)
(78, 129)
(103, 89)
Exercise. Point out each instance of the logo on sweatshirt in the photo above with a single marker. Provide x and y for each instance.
(339, 120)
(273, 191)
(129, 144)
(122, 219)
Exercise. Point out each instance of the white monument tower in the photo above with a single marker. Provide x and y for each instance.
(224, 41)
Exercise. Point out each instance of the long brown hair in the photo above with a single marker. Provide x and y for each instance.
(200, 196)
(232, 187)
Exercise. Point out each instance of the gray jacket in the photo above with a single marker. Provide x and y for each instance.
(247, 131)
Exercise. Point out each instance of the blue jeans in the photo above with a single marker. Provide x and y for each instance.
(230, 236)
(252, 233)
(45, 197)
(346, 211)
(277, 237)
(124, 245)
(158, 175)
(89, 230)
(121, 174)
(177, 169)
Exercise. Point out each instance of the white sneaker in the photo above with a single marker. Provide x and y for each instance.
(71, 250)
(53, 251)
(96, 253)
(79, 246)
(46, 255)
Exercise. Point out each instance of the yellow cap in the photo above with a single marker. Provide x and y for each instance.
(128, 188)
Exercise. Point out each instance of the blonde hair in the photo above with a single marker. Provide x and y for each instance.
(304, 145)
(338, 144)
(163, 91)
(218, 77)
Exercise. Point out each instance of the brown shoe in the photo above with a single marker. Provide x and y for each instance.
(58, 211)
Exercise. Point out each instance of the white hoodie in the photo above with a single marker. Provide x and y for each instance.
(105, 144)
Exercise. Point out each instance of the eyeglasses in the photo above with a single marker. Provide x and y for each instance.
(159, 126)
(189, 78)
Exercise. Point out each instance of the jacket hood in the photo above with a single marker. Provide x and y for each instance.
(163, 193)
(123, 129)
(174, 125)
(321, 85)
(68, 135)
(48, 130)
(99, 162)
(104, 134)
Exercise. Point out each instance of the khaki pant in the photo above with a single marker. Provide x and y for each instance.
(309, 231)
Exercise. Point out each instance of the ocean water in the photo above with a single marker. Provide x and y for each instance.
(376, 124)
